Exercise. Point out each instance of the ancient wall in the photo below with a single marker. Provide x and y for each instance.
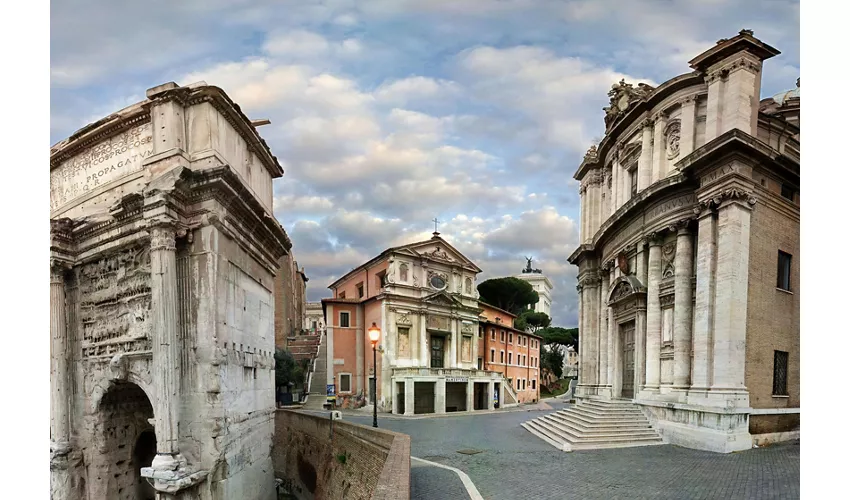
(339, 460)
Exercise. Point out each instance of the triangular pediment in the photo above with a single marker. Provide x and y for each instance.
(439, 250)
(441, 298)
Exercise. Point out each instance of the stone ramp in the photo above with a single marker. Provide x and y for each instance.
(317, 391)
(595, 424)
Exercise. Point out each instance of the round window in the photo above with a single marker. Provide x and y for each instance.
(438, 282)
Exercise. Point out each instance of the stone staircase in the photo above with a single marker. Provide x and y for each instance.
(595, 424)
(304, 347)
(317, 389)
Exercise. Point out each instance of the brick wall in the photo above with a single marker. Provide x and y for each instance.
(340, 460)
(773, 316)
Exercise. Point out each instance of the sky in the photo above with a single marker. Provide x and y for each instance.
(386, 114)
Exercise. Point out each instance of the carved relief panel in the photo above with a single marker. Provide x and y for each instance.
(403, 342)
(468, 286)
(466, 349)
(668, 258)
(115, 303)
(402, 272)
(439, 322)
(671, 136)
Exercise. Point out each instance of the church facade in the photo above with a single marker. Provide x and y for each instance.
(424, 299)
(688, 274)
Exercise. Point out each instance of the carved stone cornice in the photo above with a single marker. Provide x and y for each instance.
(689, 100)
(722, 72)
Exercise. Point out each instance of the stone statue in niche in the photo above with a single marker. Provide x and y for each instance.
(402, 273)
(668, 258)
(468, 285)
(622, 290)
(672, 134)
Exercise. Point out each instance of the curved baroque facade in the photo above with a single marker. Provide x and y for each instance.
(688, 265)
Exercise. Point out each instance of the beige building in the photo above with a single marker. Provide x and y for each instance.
(541, 284)
(163, 253)
(689, 257)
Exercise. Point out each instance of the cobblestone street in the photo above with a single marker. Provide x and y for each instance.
(514, 464)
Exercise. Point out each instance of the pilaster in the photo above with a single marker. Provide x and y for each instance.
(491, 391)
(615, 185)
(659, 154)
(440, 395)
(409, 399)
(683, 308)
(704, 300)
(645, 160)
(602, 331)
(687, 131)
(60, 436)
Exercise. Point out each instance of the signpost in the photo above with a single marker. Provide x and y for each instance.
(331, 399)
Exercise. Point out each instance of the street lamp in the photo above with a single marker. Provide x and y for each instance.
(374, 335)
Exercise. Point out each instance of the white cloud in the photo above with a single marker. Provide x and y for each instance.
(416, 88)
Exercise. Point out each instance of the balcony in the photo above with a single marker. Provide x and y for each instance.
(445, 372)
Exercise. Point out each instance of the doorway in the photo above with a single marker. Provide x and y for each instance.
(627, 340)
(143, 456)
(437, 348)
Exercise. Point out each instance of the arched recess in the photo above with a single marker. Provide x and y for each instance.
(627, 300)
(122, 435)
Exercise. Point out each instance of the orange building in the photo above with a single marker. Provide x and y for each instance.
(511, 352)
(424, 299)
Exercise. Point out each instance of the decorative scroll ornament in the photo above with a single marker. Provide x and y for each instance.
(672, 133)
(403, 319)
(621, 96)
(622, 290)
(439, 254)
(591, 153)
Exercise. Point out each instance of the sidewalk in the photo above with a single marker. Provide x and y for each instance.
(366, 411)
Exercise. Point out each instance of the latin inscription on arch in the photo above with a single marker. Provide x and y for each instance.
(100, 164)
(668, 206)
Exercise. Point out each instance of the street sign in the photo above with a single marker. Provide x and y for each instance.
(457, 379)
(331, 389)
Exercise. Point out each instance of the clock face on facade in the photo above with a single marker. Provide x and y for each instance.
(438, 282)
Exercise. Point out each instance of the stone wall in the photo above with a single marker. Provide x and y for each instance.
(339, 460)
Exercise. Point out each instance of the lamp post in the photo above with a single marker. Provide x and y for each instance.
(374, 335)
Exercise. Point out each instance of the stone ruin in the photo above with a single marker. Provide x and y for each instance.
(163, 253)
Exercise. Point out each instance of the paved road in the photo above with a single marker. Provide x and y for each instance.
(514, 464)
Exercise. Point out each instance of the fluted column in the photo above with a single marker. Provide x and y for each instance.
(730, 316)
(653, 317)
(683, 308)
(59, 390)
(166, 349)
(704, 303)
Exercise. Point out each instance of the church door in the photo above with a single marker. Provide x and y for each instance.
(627, 335)
(437, 352)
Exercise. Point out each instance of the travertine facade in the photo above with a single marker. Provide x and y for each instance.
(689, 262)
(163, 253)
(541, 284)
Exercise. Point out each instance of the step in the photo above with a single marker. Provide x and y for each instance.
(586, 427)
(608, 406)
(603, 420)
(545, 435)
(600, 433)
(608, 413)
(576, 436)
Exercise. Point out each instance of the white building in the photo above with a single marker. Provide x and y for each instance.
(541, 285)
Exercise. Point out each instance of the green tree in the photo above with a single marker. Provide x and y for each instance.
(532, 321)
(511, 294)
(287, 369)
(561, 337)
(552, 359)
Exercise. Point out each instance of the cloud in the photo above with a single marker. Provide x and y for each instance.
(417, 88)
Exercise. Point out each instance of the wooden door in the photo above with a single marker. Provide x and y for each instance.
(627, 335)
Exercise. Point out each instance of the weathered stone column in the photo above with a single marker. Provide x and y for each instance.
(470, 395)
(60, 436)
(409, 399)
(704, 303)
(440, 395)
(611, 334)
(582, 358)
(592, 314)
(166, 354)
(582, 194)
(653, 317)
(683, 309)
(730, 313)
(491, 391)
(601, 315)
(615, 186)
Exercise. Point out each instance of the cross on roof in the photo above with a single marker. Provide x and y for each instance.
(435, 221)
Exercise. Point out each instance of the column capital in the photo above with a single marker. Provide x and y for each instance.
(58, 268)
(654, 239)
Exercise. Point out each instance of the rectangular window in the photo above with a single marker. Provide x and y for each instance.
(480, 333)
(502, 336)
(533, 384)
(633, 177)
(524, 360)
(518, 384)
(344, 319)
(480, 363)
(342, 295)
(344, 382)
(360, 290)
(787, 192)
(510, 357)
(525, 341)
(783, 273)
(780, 373)
(510, 338)
(502, 357)
(382, 279)
(523, 384)
(492, 334)
(492, 355)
